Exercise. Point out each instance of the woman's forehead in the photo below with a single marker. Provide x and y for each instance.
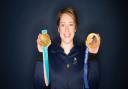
(66, 17)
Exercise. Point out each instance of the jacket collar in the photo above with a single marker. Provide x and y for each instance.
(55, 47)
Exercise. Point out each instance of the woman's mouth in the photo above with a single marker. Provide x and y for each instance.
(67, 35)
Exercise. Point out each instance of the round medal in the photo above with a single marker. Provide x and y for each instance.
(92, 41)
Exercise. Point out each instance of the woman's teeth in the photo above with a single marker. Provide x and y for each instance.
(67, 35)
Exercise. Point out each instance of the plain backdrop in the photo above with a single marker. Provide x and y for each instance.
(22, 20)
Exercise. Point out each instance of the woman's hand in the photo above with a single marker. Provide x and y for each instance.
(43, 40)
(93, 43)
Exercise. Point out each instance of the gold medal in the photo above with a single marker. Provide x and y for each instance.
(45, 40)
(93, 41)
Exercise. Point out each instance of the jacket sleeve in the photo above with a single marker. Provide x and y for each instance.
(38, 74)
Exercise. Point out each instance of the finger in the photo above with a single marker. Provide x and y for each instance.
(39, 36)
(98, 35)
(38, 42)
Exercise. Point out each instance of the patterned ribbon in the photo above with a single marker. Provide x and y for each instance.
(86, 86)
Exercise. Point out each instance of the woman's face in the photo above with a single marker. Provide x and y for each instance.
(66, 28)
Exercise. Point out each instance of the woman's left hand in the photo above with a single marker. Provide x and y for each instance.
(93, 43)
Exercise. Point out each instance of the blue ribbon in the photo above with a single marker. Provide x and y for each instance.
(86, 70)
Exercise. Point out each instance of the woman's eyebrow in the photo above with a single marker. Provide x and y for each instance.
(66, 22)
(62, 22)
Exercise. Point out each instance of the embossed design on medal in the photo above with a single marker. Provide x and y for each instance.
(45, 40)
(93, 40)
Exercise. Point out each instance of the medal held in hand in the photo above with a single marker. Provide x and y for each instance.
(93, 42)
(45, 42)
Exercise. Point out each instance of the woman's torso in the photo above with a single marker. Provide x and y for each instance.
(66, 71)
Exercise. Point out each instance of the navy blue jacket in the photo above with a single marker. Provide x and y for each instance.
(66, 71)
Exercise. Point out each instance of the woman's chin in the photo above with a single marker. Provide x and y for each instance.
(67, 41)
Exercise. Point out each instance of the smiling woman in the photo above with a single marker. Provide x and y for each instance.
(66, 59)
(67, 24)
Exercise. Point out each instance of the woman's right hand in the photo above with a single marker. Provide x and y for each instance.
(39, 43)
(43, 40)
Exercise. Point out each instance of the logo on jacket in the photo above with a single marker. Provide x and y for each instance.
(75, 60)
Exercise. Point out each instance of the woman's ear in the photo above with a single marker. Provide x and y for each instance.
(75, 30)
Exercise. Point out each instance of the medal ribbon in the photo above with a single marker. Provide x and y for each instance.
(86, 69)
(45, 62)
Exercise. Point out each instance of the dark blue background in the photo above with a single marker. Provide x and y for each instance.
(22, 20)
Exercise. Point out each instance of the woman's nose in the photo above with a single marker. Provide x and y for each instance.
(66, 28)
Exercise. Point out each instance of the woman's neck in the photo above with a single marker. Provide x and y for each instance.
(67, 47)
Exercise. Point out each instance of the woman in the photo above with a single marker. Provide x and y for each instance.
(66, 57)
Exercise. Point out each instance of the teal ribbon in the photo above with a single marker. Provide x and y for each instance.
(45, 58)
(46, 62)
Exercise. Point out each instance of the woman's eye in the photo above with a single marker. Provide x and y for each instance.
(71, 24)
(62, 25)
